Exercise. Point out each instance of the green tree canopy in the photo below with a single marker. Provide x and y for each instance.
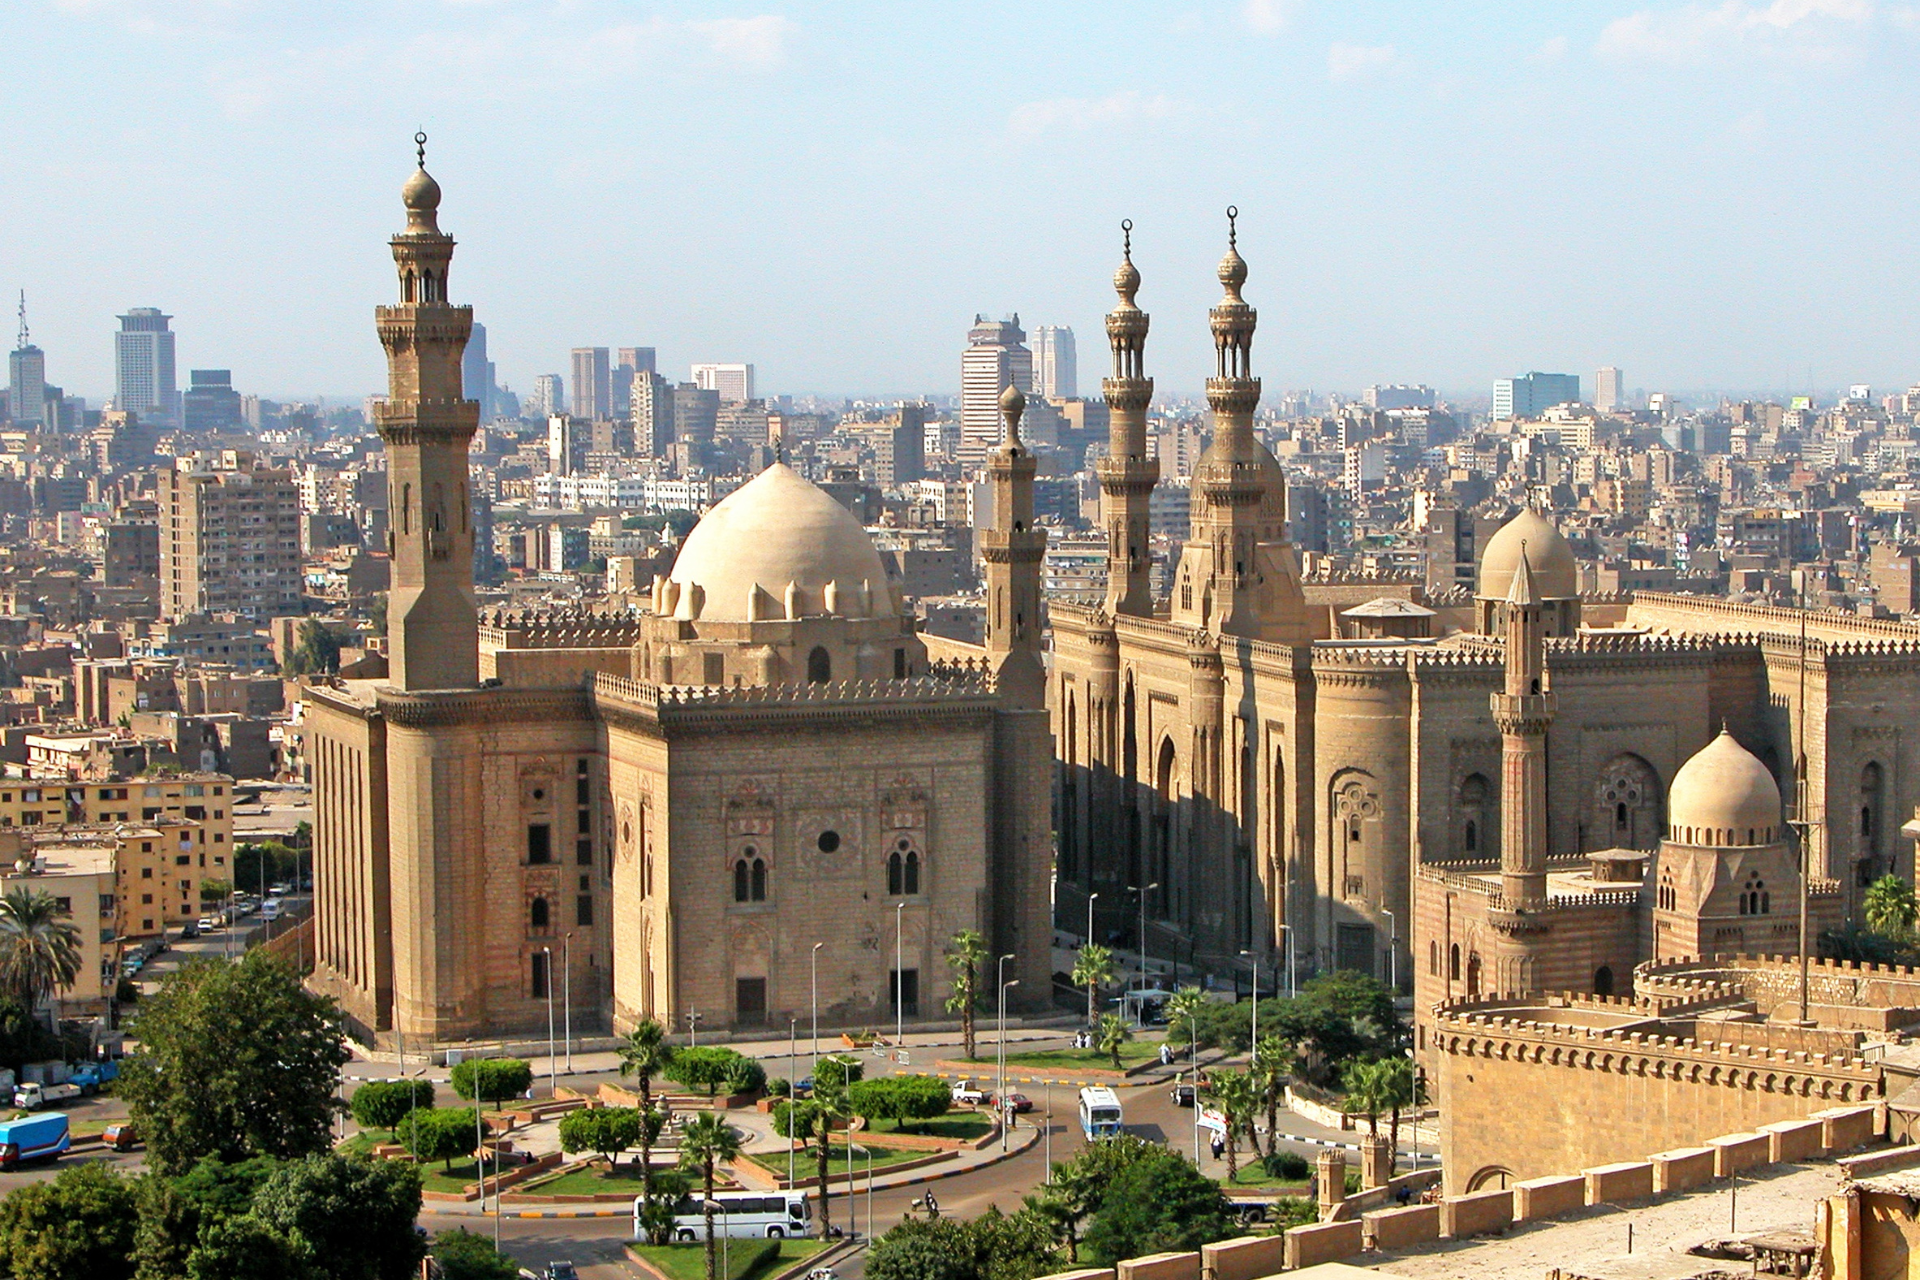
(965, 952)
(235, 1060)
(444, 1134)
(492, 1079)
(39, 946)
(1159, 1203)
(382, 1104)
(994, 1246)
(79, 1224)
(901, 1098)
(1890, 908)
(245, 1248)
(356, 1215)
(606, 1131)
(316, 650)
(709, 1066)
(463, 1255)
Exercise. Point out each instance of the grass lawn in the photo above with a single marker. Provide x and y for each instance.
(688, 1261)
(434, 1176)
(1132, 1054)
(363, 1143)
(837, 1159)
(1254, 1174)
(591, 1180)
(955, 1124)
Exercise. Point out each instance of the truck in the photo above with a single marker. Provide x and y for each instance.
(91, 1075)
(33, 1138)
(31, 1097)
(967, 1093)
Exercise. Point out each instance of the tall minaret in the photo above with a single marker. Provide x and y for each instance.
(1524, 711)
(1237, 575)
(1127, 474)
(1013, 550)
(426, 423)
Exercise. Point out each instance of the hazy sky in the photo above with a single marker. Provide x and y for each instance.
(1710, 194)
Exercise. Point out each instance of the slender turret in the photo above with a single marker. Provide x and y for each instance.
(1524, 710)
(1013, 549)
(1127, 474)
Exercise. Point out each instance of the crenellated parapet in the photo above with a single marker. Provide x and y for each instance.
(559, 629)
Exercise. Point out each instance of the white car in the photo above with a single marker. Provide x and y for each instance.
(967, 1093)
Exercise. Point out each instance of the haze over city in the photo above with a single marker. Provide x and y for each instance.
(1712, 196)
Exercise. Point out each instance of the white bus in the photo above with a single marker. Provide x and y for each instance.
(1099, 1112)
(739, 1214)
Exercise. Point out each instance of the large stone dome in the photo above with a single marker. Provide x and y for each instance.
(1555, 575)
(779, 539)
(1724, 796)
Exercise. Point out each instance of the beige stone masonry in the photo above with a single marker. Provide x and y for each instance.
(1735, 1152)
(1248, 1258)
(1619, 1183)
(1160, 1266)
(1328, 1242)
(1415, 1224)
(1546, 1197)
(1478, 1214)
(1683, 1169)
(1791, 1140)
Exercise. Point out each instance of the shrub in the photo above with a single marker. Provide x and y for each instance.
(744, 1075)
(710, 1066)
(382, 1104)
(900, 1098)
(779, 1087)
(1290, 1165)
(437, 1134)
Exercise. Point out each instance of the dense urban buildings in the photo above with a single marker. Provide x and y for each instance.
(1532, 394)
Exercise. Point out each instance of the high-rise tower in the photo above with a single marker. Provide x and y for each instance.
(26, 376)
(1237, 574)
(143, 354)
(1127, 474)
(426, 424)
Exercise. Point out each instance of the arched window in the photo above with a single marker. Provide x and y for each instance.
(749, 877)
(759, 885)
(1627, 805)
(896, 875)
(537, 915)
(1603, 981)
(912, 874)
(819, 666)
(1433, 957)
(1472, 842)
(1453, 963)
(1473, 804)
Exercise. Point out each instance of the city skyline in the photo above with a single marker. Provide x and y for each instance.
(1634, 233)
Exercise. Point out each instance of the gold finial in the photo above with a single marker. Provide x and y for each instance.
(1233, 268)
(1126, 280)
(1233, 230)
(420, 147)
(1126, 238)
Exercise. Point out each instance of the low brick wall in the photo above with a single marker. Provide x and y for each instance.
(1248, 1258)
(1619, 1183)
(1160, 1266)
(1683, 1169)
(1538, 1198)
(1791, 1140)
(1734, 1152)
(1876, 1163)
(1328, 1242)
(1085, 1273)
(1481, 1213)
(1402, 1228)
(1844, 1128)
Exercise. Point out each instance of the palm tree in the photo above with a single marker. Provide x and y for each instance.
(1890, 908)
(1234, 1093)
(644, 1054)
(1400, 1089)
(1114, 1032)
(707, 1140)
(39, 948)
(1369, 1091)
(1271, 1063)
(1093, 968)
(1183, 1010)
(965, 951)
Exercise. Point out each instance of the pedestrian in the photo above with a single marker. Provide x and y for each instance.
(1219, 1146)
(933, 1206)
(1166, 1055)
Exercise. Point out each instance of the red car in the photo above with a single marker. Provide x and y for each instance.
(1019, 1103)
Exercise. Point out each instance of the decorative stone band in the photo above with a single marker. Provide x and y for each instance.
(438, 709)
(1127, 393)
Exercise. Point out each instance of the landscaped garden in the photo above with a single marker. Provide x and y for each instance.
(735, 1259)
(1132, 1053)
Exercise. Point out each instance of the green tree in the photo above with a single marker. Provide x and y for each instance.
(1184, 1008)
(79, 1224)
(1235, 1093)
(1114, 1034)
(235, 1060)
(316, 650)
(645, 1054)
(491, 1079)
(382, 1104)
(437, 1133)
(39, 946)
(1368, 1091)
(832, 1105)
(901, 1098)
(1158, 1204)
(245, 1248)
(607, 1131)
(744, 1075)
(355, 1214)
(1271, 1067)
(706, 1142)
(174, 1211)
(965, 952)
(703, 1067)
(1075, 1189)
(258, 865)
(1399, 1089)
(1092, 969)
(994, 1246)
(462, 1255)
(1890, 908)
(214, 891)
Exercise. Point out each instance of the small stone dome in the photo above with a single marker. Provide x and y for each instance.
(421, 194)
(780, 531)
(1723, 796)
(1555, 575)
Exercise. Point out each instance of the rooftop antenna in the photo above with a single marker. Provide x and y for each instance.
(22, 344)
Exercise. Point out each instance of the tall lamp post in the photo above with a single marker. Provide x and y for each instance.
(1089, 942)
(1393, 951)
(566, 992)
(1292, 970)
(793, 1073)
(553, 1058)
(899, 976)
(814, 991)
(1000, 1098)
(1143, 891)
(1254, 1043)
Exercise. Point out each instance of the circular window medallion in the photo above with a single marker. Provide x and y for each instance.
(828, 842)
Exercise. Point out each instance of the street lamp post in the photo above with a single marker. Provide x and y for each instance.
(693, 1029)
(566, 989)
(1393, 951)
(1048, 1086)
(899, 976)
(1143, 892)
(814, 991)
(553, 1058)
(1292, 971)
(1193, 1060)
(1254, 1043)
(1089, 942)
(1000, 1099)
(793, 1073)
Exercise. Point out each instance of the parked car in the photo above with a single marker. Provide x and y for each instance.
(208, 924)
(1018, 1103)
(190, 930)
(561, 1271)
(121, 1137)
(1181, 1095)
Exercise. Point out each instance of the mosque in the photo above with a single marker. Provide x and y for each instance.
(759, 798)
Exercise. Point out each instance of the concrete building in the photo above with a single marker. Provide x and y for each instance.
(26, 377)
(1055, 376)
(1609, 393)
(210, 403)
(592, 384)
(143, 365)
(229, 538)
(996, 358)
(682, 800)
(732, 382)
(1532, 394)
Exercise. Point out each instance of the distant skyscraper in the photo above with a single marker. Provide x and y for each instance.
(996, 357)
(1399, 396)
(592, 384)
(1532, 394)
(26, 376)
(476, 373)
(143, 364)
(1608, 394)
(652, 413)
(1054, 374)
(549, 396)
(628, 364)
(734, 382)
(210, 402)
